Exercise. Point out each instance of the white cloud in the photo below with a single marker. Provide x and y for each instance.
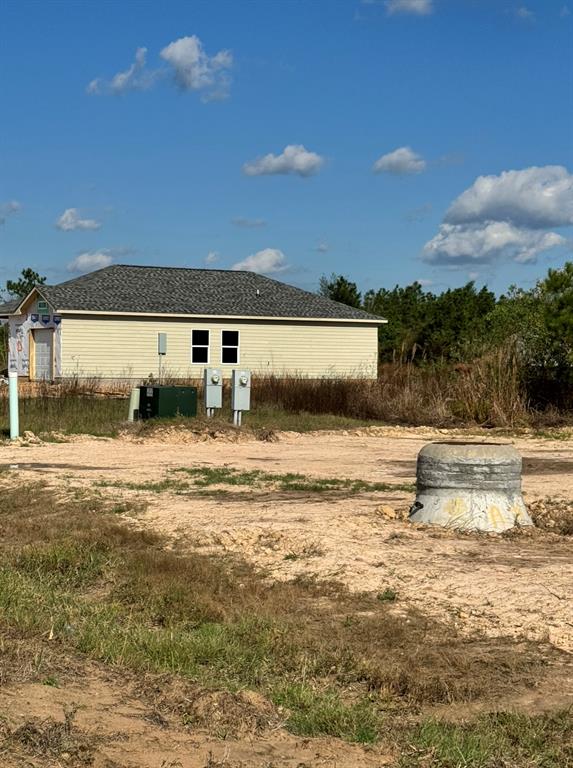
(135, 78)
(402, 161)
(241, 221)
(295, 158)
(265, 262)
(485, 241)
(70, 220)
(536, 197)
(194, 70)
(211, 258)
(505, 216)
(565, 12)
(9, 209)
(416, 7)
(88, 260)
(322, 247)
(525, 14)
(425, 282)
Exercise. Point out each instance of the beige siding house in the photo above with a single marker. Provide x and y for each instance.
(108, 324)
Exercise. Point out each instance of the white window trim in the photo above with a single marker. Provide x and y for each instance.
(201, 346)
(227, 346)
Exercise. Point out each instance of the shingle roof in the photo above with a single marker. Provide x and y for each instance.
(172, 290)
(8, 307)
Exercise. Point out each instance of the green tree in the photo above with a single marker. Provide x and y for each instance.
(456, 324)
(22, 287)
(407, 310)
(518, 318)
(557, 298)
(339, 288)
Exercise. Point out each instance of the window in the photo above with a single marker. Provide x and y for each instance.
(199, 346)
(230, 347)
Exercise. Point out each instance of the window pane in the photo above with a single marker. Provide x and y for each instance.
(200, 355)
(229, 355)
(230, 338)
(201, 337)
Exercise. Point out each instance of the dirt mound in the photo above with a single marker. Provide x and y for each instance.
(198, 432)
(553, 514)
(226, 714)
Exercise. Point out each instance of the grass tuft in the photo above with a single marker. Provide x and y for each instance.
(323, 713)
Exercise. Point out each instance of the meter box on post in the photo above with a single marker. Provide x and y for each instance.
(213, 390)
(240, 394)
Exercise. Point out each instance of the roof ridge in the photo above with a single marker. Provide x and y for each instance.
(183, 269)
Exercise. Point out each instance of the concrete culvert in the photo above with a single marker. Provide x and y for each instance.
(469, 486)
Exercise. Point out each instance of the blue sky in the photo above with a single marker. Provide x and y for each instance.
(390, 111)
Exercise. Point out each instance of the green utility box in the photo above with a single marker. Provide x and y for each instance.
(167, 402)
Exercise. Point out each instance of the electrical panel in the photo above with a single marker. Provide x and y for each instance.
(241, 390)
(213, 388)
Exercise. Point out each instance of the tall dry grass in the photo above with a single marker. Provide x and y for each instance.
(487, 392)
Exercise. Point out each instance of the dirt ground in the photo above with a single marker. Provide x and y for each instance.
(113, 726)
(518, 586)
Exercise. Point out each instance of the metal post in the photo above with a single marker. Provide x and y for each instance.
(133, 404)
(13, 395)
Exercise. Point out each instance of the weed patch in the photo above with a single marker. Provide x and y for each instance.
(493, 741)
(204, 477)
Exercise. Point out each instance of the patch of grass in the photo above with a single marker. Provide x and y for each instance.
(72, 572)
(265, 416)
(323, 713)
(67, 564)
(204, 477)
(167, 485)
(493, 741)
(67, 414)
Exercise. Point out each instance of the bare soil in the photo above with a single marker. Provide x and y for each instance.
(517, 585)
(113, 726)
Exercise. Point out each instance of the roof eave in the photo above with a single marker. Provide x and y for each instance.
(186, 315)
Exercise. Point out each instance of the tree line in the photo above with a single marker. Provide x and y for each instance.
(460, 325)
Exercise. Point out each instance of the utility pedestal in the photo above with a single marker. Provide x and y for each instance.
(240, 394)
(213, 390)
